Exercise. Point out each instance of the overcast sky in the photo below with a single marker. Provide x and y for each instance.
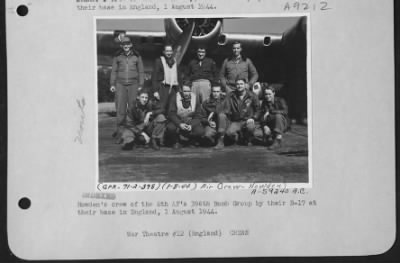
(239, 25)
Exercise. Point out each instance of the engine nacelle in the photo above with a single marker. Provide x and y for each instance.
(206, 29)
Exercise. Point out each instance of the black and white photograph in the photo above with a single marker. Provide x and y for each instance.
(203, 100)
(191, 130)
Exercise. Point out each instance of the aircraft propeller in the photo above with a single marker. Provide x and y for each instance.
(183, 42)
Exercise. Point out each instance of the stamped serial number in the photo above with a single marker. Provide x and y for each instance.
(307, 6)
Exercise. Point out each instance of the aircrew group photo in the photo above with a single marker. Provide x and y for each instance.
(198, 106)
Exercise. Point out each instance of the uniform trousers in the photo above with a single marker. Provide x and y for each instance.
(155, 129)
(173, 131)
(248, 131)
(222, 124)
(202, 89)
(166, 92)
(275, 124)
(125, 96)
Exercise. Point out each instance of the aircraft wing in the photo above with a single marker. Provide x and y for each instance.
(250, 40)
(209, 32)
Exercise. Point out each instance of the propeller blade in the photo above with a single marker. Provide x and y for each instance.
(183, 42)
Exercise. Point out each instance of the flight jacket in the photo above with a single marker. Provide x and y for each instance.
(231, 69)
(212, 105)
(242, 110)
(126, 69)
(138, 112)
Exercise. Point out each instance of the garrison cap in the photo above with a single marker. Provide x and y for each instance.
(126, 40)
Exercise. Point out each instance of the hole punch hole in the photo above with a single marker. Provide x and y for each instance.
(22, 10)
(24, 203)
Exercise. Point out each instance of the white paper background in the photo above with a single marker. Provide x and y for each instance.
(51, 64)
